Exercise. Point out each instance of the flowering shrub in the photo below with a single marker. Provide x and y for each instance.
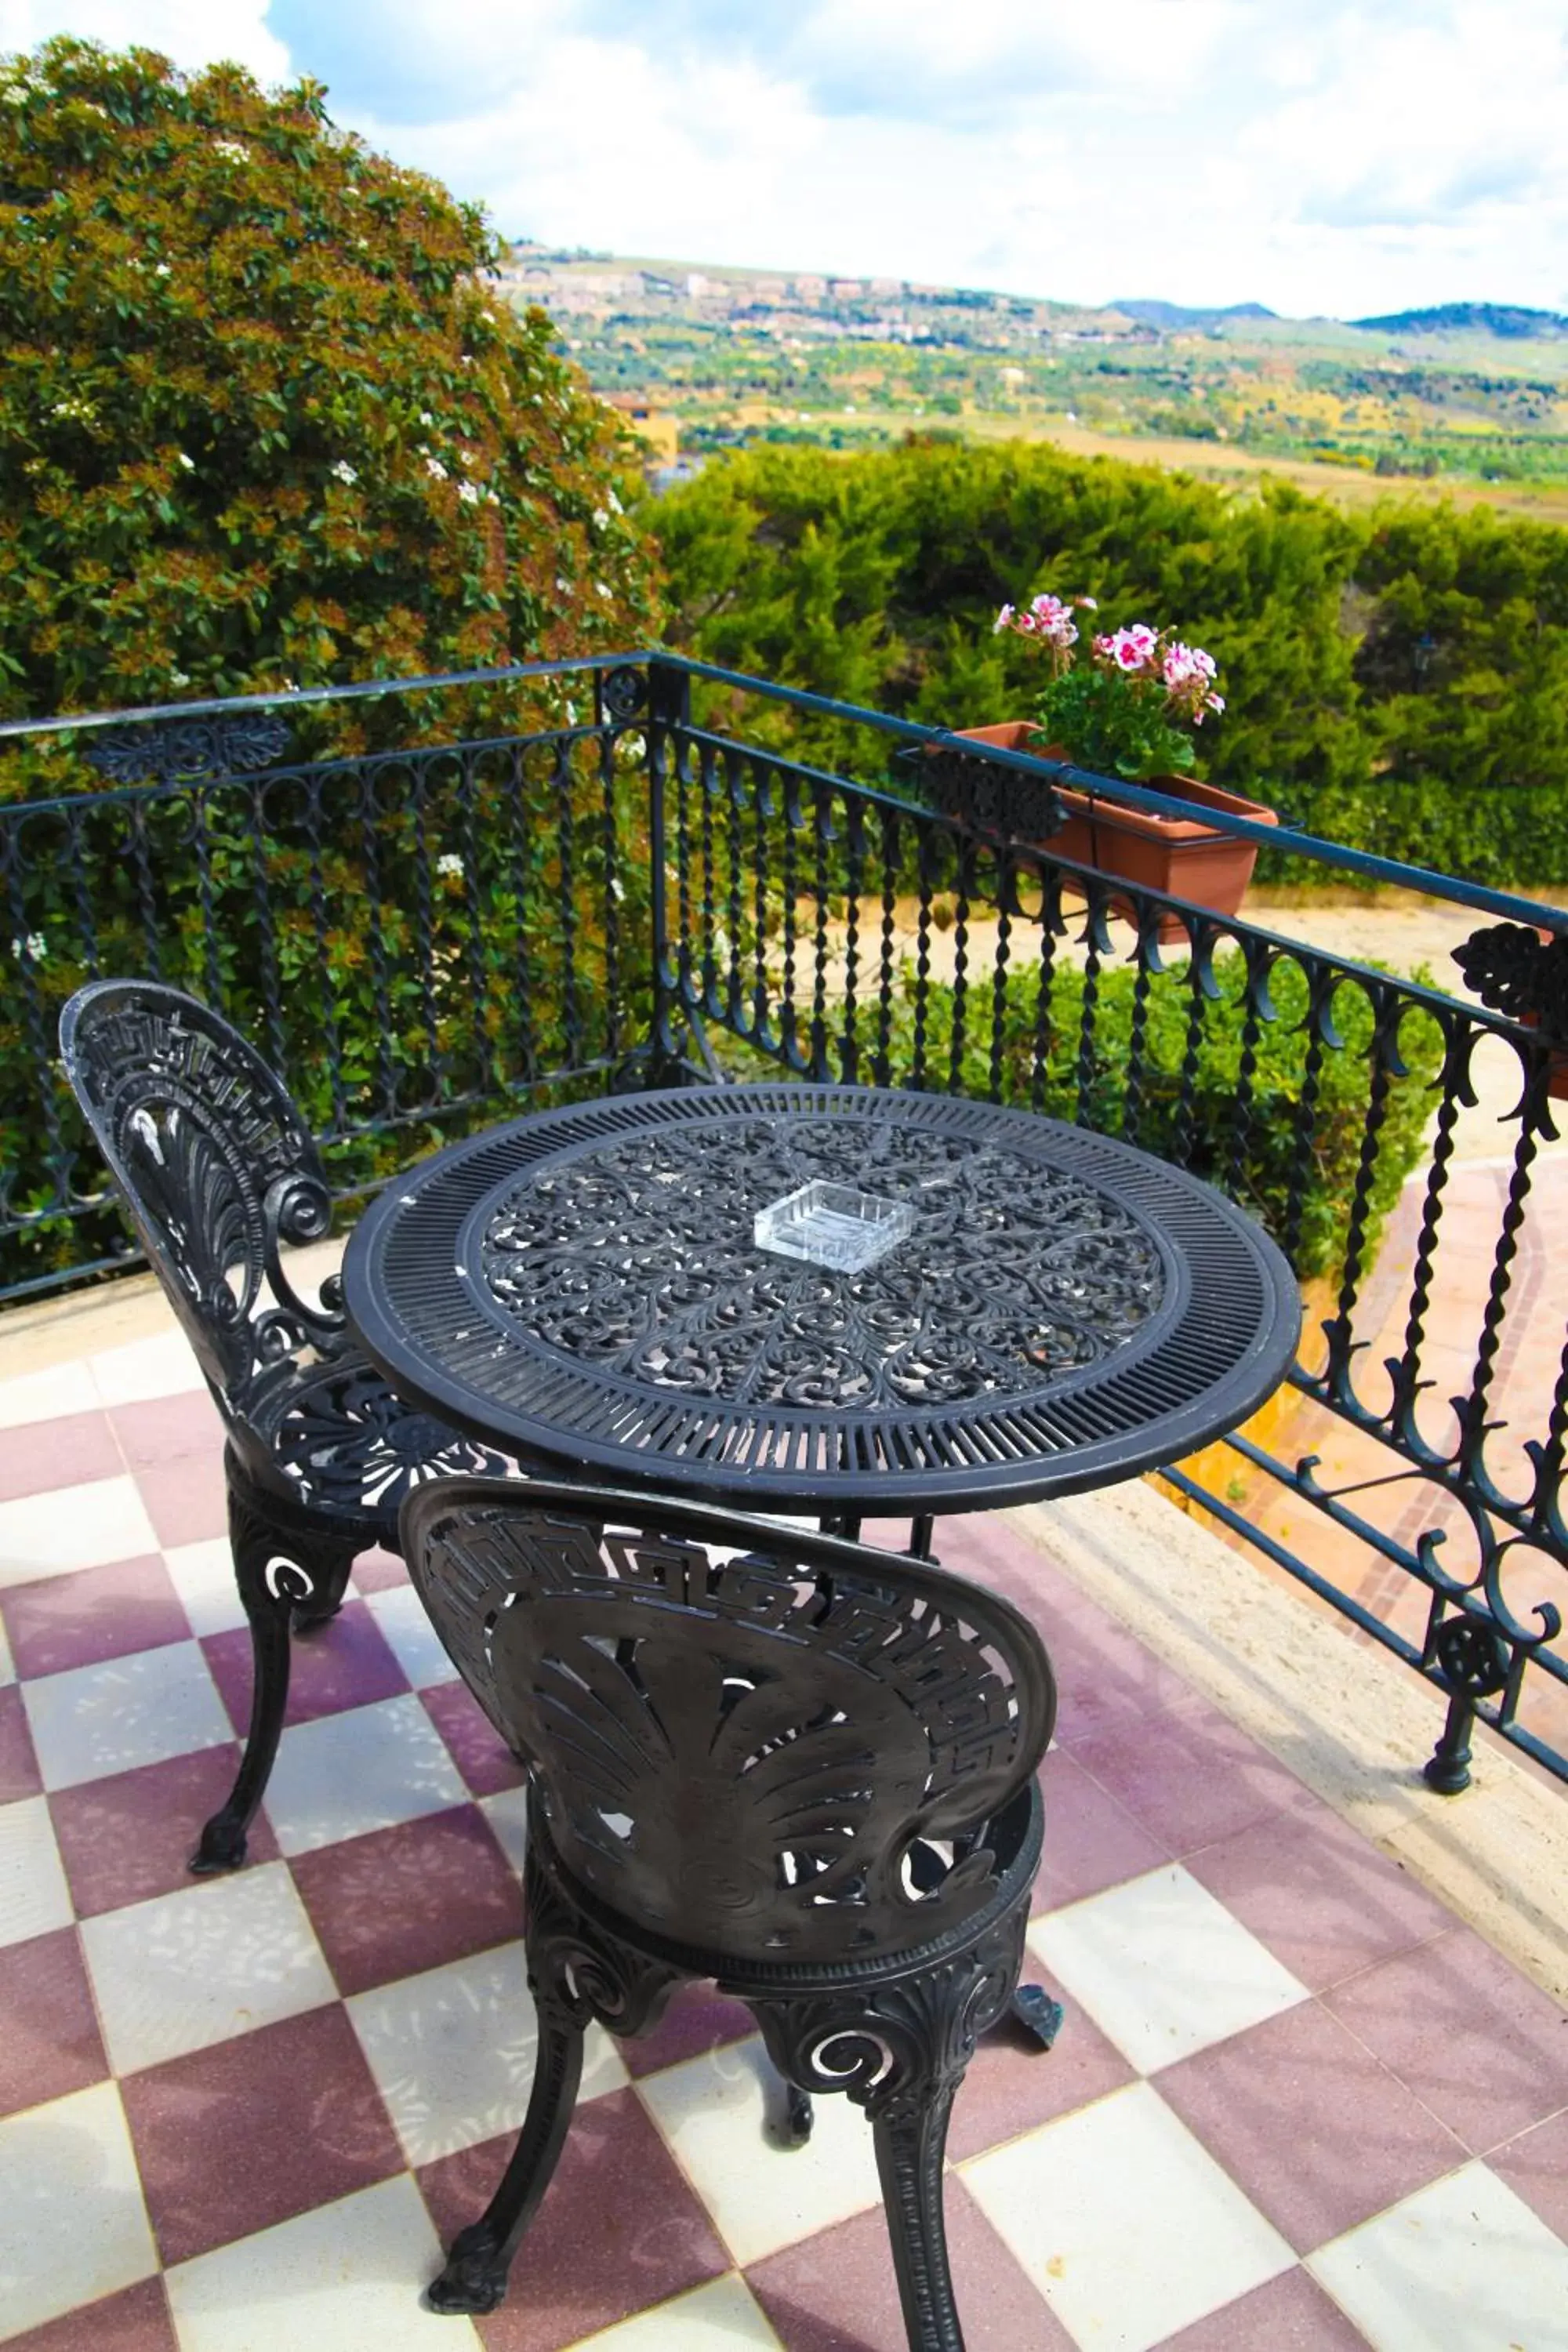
(264, 419)
(1123, 710)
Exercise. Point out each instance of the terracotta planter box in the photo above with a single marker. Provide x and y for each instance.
(1181, 856)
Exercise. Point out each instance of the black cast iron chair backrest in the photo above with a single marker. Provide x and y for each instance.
(778, 1746)
(217, 1167)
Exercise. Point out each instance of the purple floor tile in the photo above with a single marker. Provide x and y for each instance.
(19, 1774)
(485, 1762)
(49, 2043)
(835, 2292)
(232, 2140)
(376, 1571)
(1188, 1778)
(1290, 2313)
(1091, 1841)
(1014, 2086)
(1324, 1901)
(186, 1499)
(1483, 2047)
(1535, 2167)
(618, 2229)
(62, 1622)
(1306, 2121)
(135, 2320)
(70, 1451)
(699, 2018)
(344, 1663)
(132, 1835)
(169, 1429)
(406, 1899)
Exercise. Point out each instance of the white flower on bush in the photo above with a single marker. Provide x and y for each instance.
(614, 503)
(74, 411)
(601, 519)
(163, 270)
(344, 472)
(32, 950)
(233, 151)
(435, 468)
(603, 589)
(449, 863)
(16, 93)
(188, 463)
(469, 493)
(425, 417)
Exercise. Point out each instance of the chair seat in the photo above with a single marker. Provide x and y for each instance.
(352, 1449)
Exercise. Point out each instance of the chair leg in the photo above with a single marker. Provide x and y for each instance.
(279, 1569)
(910, 2139)
(475, 2276)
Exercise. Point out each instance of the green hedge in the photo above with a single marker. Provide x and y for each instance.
(1397, 680)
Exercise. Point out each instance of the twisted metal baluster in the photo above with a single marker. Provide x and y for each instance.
(266, 924)
(822, 825)
(87, 919)
(1386, 1065)
(1044, 981)
(146, 896)
(1321, 1035)
(1096, 939)
(566, 840)
(1472, 1409)
(518, 883)
(763, 807)
(882, 1064)
(1006, 896)
(212, 970)
(1405, 1368)
(1146, 962)
(487, 1057)
(793, 822)
(925, 858)
(964, 848)
(1259, 1007)
(855, 860)
(735, 781)
(609, 837)
(369, 852)
(330, 1033)
(706, 787)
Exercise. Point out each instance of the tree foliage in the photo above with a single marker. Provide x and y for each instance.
(262, 419)
(1397, 680)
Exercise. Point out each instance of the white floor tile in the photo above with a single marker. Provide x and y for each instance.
(94, 1720)
(366, 1770)
(347, 2276)
(72, 2223)
(1462, 2266)
(507, 1814)
(160, 1366)
(400, 1613)
(203, 1576)
(187, 1969)
(710, 2110)
(1163, 1968)
(708, 2319)
(1128, 2226)
(452, 2052)
(73, 1526)
(50, 1393)
(34, 1896)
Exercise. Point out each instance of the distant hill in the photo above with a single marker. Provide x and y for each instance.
(1474, 318)
(1171, 315)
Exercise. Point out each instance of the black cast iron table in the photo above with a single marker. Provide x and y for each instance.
(584, 1284)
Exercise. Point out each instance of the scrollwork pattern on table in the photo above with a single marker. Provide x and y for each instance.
(638, 1258)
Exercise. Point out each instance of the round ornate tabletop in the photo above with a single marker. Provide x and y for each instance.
(1050, 1309)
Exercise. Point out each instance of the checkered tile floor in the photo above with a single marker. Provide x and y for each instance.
(1296, 2104)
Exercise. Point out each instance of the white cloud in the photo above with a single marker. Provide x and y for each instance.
(1378, 154)
(192, 32)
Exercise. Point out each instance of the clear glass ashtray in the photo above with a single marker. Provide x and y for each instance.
(833, 1225)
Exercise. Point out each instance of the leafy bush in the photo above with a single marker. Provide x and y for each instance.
(1397, 682)
(262, 420)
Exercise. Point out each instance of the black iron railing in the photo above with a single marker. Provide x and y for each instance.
(481, 893)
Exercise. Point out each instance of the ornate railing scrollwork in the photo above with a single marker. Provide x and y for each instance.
(187, 751)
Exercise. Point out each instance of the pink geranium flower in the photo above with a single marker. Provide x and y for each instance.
(1131, 649)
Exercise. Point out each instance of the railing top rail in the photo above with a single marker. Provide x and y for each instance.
(1509, 905)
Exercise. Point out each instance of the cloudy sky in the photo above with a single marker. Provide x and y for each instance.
(1321, 158)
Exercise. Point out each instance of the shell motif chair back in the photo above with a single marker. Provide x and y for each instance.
(217, 1173)
(792, 1763)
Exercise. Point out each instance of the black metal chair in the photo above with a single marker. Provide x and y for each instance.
(218, 1171)
(790, 1763)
